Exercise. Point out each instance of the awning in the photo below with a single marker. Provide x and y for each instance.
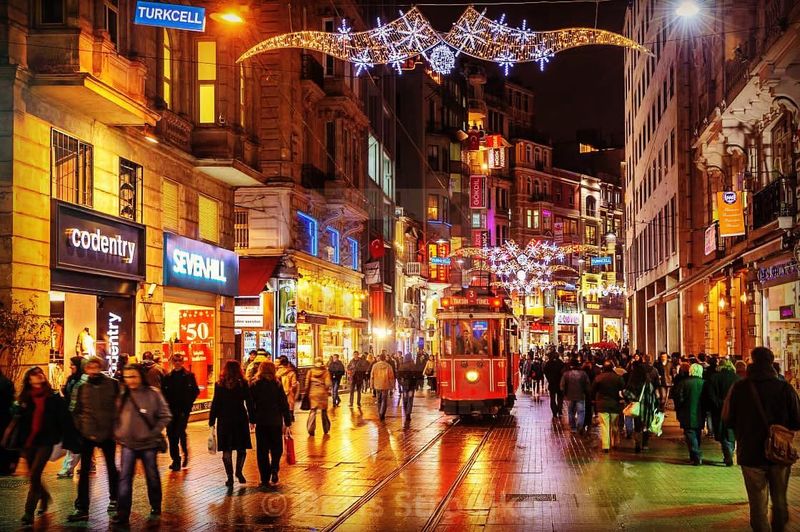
(254, 273)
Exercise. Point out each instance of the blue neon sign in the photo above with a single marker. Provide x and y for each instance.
(199, 266)
(311, 229)
(354, 253)
(333, 240)
(600, 261)
(179, 17)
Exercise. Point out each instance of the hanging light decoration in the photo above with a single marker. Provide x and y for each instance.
(472, 34)
(525, 270)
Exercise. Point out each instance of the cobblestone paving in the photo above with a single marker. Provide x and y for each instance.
(521, 473)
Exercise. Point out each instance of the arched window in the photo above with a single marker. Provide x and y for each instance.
(591, 206)
(166, 74)
(536, 188)
(527, 153)
(529, 186)
(545, 188)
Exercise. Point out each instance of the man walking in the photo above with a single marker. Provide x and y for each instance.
(356, 378)
(336, 369)
(382, 381)
(180, 389)
(575, 386)
(753, 404)
(94, 411)
(410, 372)
(552, 372)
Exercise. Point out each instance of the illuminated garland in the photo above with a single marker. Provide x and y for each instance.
(525, 270)
(472, 34)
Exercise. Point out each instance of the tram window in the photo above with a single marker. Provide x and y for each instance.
(472, 337)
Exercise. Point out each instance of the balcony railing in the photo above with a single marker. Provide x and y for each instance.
(311, 70)
(774, 200)
(313, 178)
(736, 68)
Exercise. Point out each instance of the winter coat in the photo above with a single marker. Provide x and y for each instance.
(270, 407)
(318, 386)
(132, 430)
(53, 424)
(336, 368)
(230, 407)
(780, 402)
(716, 390)
(154, 373)
(287, 377)
(606, 390)
(553, 369)
(575, 385)
(689, 408)
(382, 376)
(180, 390)
(642, 379)
(409, 374)
(92, 407)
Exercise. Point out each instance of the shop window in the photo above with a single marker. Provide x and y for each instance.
(333, 245)
(241, 230)
(166, 69)
(111, 20)
(308, 233)
(130, 190)
(355, 258)
(71, 165)
(170, 193)
(51, 11)
(208, 218)
(207, 81)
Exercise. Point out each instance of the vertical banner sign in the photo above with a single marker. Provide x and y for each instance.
(710, 239)
(730, 209)
(558, 232)
(477, 195)
(476, 238)
(372, 273)
(196, 326)
(115, 324)
(287, 302)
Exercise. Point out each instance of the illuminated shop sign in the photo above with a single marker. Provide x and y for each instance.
(442, 261)
(179, 17)
(600, 261)
(199, 266)
(572, 318)
(90, 242)
(778, 273)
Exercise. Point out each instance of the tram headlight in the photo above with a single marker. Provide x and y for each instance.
(472, 375)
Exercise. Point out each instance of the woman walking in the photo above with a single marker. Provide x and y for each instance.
(318, 386)
(40, 414)
(716, 390)
(272, 416)
(230, 407)
(689, 409)
(142, 416)
(642, 379)
(76, 372)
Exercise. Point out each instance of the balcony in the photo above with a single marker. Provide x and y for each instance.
(84, 72)
(477, 107)
(227, 155)
(311, 70)
(774, 200)
(338, 193)
(175, 130)
(736, 68)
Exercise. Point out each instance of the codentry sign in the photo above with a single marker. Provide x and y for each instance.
(87, 241)
(175, 16)
(199, 266)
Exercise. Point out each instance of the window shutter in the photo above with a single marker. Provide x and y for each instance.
(169, 202)
(208, 219)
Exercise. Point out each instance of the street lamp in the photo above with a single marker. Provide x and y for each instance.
(687, 9)
(228, 17)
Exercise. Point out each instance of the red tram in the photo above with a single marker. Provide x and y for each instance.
(476, 367)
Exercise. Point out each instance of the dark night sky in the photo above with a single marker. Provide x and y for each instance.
(580, 88)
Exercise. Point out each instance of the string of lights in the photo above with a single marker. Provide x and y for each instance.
(411, 35)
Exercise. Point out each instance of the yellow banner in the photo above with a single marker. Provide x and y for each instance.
(730, 208)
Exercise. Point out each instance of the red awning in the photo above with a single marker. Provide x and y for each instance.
(254, 272)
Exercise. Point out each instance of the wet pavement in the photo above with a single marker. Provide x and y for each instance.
(435, 473)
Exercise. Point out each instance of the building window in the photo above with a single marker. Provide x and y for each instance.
(330, 147)
(433, 157)
(529, 186)
(536, 219)
(528, 218)
(355, 259)
(557, 192)
(166, 69)
(241, 231)
(169, 201)
(71, 169)
(571, 197)
(591, 206)
(308, 233)
(208, 218)
(433, 207)
(111, 20)
(207, 81)
(51, 11)
(131, 177)
(591, 235)
(327, 25)
(333, 245)
(528, 151)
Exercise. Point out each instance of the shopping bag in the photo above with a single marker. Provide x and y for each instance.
(212, 441)
(632, 409)
(656, 423)
(58, 452)
(288, 444)
(305, 403)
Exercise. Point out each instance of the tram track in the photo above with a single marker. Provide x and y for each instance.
(439, 511)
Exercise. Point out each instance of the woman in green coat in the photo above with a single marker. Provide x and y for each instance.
(688, 396)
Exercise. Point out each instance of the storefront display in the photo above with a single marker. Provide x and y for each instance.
(781, 318)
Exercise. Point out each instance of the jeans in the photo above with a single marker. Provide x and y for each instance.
(176, 434)
(556, 401)
(727, 441)
(311, 424)
(408, 400)
(692, 437)
(383, 402)
(355, 388)
(37, 457)
(762, 484)
(108, 448)
(641, 434)
(335, 390)
(609, 433)
(269, 448)
(71, 461)
(577, 409)
(150, 462)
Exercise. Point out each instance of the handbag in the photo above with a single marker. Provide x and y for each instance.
(11, 437)
(633, 409)
(778, 447)
(161, 446)
(305, 402)
(212, 441)
(288, 444)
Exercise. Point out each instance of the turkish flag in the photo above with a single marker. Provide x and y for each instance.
(376, 248)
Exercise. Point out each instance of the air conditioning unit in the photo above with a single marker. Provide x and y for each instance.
(413, 268)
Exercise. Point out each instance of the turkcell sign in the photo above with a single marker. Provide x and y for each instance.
(605, 260)
(179, 17)
(199, 266)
